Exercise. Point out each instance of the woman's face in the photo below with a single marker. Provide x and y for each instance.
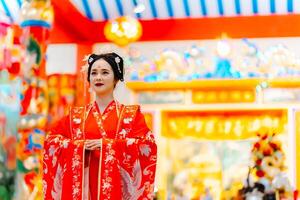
(102, 79)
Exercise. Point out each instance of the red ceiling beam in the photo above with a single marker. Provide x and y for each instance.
(71, 26)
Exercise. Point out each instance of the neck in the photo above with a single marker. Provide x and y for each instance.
(104, 100)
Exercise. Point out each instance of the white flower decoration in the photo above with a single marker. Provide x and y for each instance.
(130, 141)
(118, 60)
(90, 59)
(77, 120)
(127, 120)
(145, 150)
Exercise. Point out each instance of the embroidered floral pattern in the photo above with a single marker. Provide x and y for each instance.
(76, 116)
(123, 133)
(76, 168)
(128, 116)
(127, 120)
(54, 145)
(57, 185)
(137, 171)
(136, 163)
(100, 118)
(130, 141)
(108, 110)
(44, 188)
(99, 121)
(132, 187)
(145, 149)
(106, 179)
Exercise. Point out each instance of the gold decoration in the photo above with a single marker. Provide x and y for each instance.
(123, 30)
(221, 126)
(37, 10)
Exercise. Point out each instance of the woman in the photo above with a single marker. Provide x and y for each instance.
(103, 150)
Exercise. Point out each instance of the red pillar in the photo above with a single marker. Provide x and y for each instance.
(82, 51)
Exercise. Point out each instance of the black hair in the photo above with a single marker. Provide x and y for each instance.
(113, 59)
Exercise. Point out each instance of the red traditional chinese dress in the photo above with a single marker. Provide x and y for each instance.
(123, 168)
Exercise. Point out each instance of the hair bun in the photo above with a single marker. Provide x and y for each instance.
(116, 56)
(92, 59)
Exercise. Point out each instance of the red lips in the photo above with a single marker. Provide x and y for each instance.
(98, 84)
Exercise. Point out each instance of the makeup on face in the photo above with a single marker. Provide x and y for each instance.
(102, 77)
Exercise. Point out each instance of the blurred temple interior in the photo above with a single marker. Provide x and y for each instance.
(218, 82)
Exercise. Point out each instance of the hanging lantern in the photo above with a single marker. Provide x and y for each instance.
(123, 30)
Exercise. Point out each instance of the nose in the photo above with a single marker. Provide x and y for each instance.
(98, 77)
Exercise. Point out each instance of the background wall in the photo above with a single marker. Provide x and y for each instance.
(64, 58)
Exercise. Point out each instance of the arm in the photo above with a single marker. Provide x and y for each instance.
(139, 131)
(59, 151)
(136, 155)
(61, 127)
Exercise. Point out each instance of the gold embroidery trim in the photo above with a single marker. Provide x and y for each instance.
(119, 121)
(82, 179)
(99, 171)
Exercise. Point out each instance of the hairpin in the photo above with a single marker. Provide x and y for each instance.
(90, 59)
(118, 60)
(85, 67)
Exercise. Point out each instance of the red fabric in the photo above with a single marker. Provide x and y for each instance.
(59, 170)
(128, 160)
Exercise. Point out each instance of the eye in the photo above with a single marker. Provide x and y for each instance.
(105, 72)
(93, 73)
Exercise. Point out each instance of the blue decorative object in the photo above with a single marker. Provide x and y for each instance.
(150, 78)
(195, 76)
(223, 68)
(34, 139)
(134, 76)
(32, 22)
(246, 62)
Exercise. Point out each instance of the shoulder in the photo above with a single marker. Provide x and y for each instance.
(132, 107)
(78, 109)
(137, 118)
(131, 111)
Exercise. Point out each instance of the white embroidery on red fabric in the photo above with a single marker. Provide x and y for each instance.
(106, 179)
(132, 187)
(99, 120)
(76, 174)
(145, 149)
(57, 185)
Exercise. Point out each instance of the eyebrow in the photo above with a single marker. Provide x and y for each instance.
(100, 69)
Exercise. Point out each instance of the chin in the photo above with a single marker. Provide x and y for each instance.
(102, 92)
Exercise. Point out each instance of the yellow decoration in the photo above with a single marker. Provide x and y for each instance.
(226, 85)
(37, 10)
(171, 62)
(149, 120)
(297, 144)
(123, 30)
(221, 126)
(223, 96)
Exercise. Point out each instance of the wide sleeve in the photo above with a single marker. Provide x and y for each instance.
(136, 157)
(63, 160)
(61, 127)
(139, 126)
